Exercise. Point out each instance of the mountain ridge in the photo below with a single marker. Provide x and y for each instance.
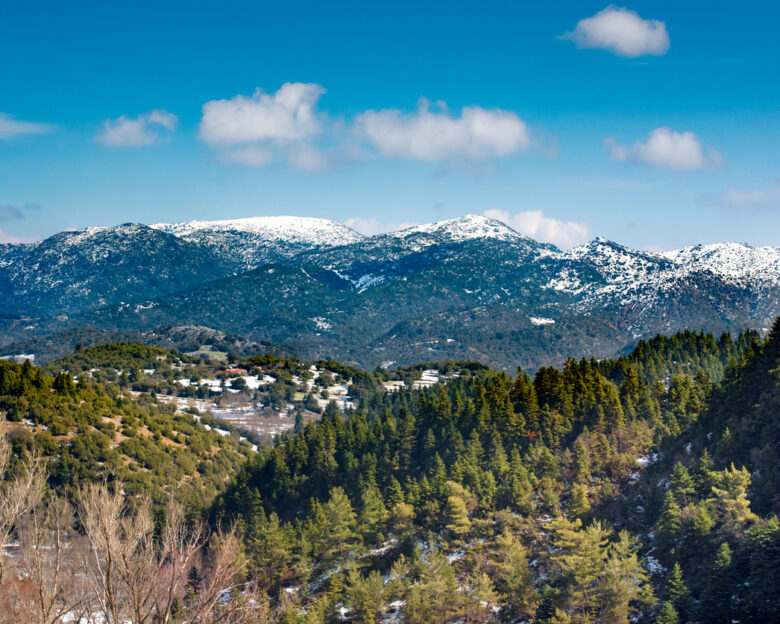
(399, 296)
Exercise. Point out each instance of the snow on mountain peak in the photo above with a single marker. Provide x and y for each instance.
(464, 228)
(733, 261)
(307, 230)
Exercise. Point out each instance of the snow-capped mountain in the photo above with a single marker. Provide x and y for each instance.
(464, 228)
(253, 241)
(79, 269)
(733, 261)
(470, 287)
(392, 255)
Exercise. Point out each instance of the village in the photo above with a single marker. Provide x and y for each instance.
(255, 398)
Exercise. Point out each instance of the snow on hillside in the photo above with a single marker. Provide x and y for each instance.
(306, 230)
(732, 261)
(464, 228)
(616, 263)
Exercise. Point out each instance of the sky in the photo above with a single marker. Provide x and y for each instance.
(654, 124)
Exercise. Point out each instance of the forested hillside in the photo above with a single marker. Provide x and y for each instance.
(556, 499)
(89, 431)
(637, 489)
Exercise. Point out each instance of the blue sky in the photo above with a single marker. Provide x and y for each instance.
(655, 124)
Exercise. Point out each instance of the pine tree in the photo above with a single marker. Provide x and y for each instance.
(435, 597)
(373, 514)
(580, 557)
(578, 501)
(365, 595)
(667, 528)
(483, 597)
(682, 485)
(764, 578)
(624, 586)
(395, 493)
(514, 576)
(270, 547)
(730, 501)
(581, 462)
(720, 587)
(331, 527)
(458, 522)
(667, 614)
(677, 593)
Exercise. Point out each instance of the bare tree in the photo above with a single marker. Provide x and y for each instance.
(131, 575)
(222, 598)
(19, 493)
(122, 569)
(49, 561)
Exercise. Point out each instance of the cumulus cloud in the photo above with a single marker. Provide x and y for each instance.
(533, 223)
(370, 227)
(622, 32)
(145, 129)
(287, 125)
(11, 128)
(288, 115)
(667, 149)
(477, 134)
(750, 199)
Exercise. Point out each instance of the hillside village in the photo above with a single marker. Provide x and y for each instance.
(256, 399)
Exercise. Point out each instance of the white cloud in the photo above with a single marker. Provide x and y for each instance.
(622, 32)
(477, 134)
(746, 198)
(667, 149)
(533, 223)
(369, 227)
(287, 126)
(142, 130)
(287, 115)
(11, 128)
(163, 118)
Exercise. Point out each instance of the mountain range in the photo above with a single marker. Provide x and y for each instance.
(466, 288)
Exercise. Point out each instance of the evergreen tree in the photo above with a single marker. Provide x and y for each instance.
(457, 520)
(677, 593)
(625, 586)
(578, 501)
(669, 524)
(581, 462)
(373, 514)
(365, 595)
(435, 597)
(717, 604)
(515, 581)
(681, 484)
(667, 614)
(579, 555)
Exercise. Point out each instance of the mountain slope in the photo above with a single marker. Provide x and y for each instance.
(466, 287)
(80, 269)
(251, 242)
